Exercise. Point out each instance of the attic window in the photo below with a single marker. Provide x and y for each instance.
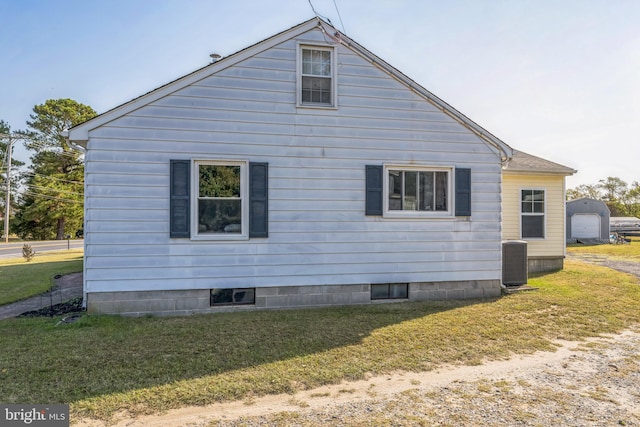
(316, 76)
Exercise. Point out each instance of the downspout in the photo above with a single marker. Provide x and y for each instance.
(81, 149)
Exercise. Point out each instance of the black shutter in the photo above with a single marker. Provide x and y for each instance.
(258, 199)
(463, 192)
(373, 192)
(179, 200)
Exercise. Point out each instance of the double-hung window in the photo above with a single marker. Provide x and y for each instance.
(316, 76)
(418, 190)
(221, 208)
(532, 209)
(218, 199)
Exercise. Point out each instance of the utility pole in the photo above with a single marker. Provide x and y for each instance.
(7, 206)
(11, 138)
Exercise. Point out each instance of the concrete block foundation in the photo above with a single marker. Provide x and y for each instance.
(194, 301)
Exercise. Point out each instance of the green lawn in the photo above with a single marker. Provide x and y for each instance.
(102, 365)
(630, 252)
(20, 279)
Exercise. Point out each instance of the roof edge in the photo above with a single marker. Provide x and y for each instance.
(501, 146)
(80, 132)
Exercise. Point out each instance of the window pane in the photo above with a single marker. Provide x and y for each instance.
(380, 291)
(221, 296)
(219, 216)
(441, 191)
(306, 61)
(395, 190)
(538, 201)
(398, 290)
(244, 296)
(219, 181)
(316, 89)
(233, 296)
(532, 226)
(316, 62)
(410, 191)
(426, 191)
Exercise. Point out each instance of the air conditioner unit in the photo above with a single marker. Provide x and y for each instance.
(514, 262)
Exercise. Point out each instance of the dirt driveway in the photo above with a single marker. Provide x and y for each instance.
(590, 383)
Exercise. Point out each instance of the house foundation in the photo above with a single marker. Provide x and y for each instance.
(199, 301)
(545, 264)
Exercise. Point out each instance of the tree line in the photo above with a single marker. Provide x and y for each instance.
(623, 199)
(47, 197)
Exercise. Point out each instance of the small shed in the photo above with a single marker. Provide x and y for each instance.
(587, 219)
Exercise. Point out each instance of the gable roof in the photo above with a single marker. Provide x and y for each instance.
(80, 133)
(527, 163)
(587, 201)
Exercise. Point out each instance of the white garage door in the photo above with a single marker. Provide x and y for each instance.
(585, 226)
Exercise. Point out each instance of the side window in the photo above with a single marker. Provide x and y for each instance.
(413, 190)
(417, 191)
(532, 213)
(316, 81)
(220, 198)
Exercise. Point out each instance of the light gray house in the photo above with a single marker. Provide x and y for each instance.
(587, 220)
(300, 171)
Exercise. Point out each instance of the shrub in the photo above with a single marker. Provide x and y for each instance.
(27, 252)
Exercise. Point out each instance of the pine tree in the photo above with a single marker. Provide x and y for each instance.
(51, 204)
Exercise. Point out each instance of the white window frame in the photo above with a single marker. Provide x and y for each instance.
(543, 213)
(449, 213)
(334, 86)
(244, 202)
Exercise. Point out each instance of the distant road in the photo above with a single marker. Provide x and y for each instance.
(14, 249)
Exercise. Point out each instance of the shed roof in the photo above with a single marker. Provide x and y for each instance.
(80, 133)
(522, 162)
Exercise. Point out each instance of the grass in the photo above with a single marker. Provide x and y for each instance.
(102, 365)
(21, 279)
(630, 252)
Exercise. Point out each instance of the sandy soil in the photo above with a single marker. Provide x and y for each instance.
(591, 383)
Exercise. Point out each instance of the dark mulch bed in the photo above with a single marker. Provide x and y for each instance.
(71, 306)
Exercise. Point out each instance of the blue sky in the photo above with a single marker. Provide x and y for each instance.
(559, 79)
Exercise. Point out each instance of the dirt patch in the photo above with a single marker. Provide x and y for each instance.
(629, 267)
(72, 306)
(590, 383)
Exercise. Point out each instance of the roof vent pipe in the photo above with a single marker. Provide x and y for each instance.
(215, 57)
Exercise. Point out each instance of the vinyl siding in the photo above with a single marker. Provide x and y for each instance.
(318, 232)
(554, 242)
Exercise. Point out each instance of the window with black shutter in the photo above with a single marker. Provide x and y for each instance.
(229, 199)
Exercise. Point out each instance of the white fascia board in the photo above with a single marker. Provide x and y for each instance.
(80, 133)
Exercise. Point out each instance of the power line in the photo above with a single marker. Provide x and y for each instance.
(42, 146)
(51, 177)
(339, 17)
(31, 193)
(54, 189)
(317, 14)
